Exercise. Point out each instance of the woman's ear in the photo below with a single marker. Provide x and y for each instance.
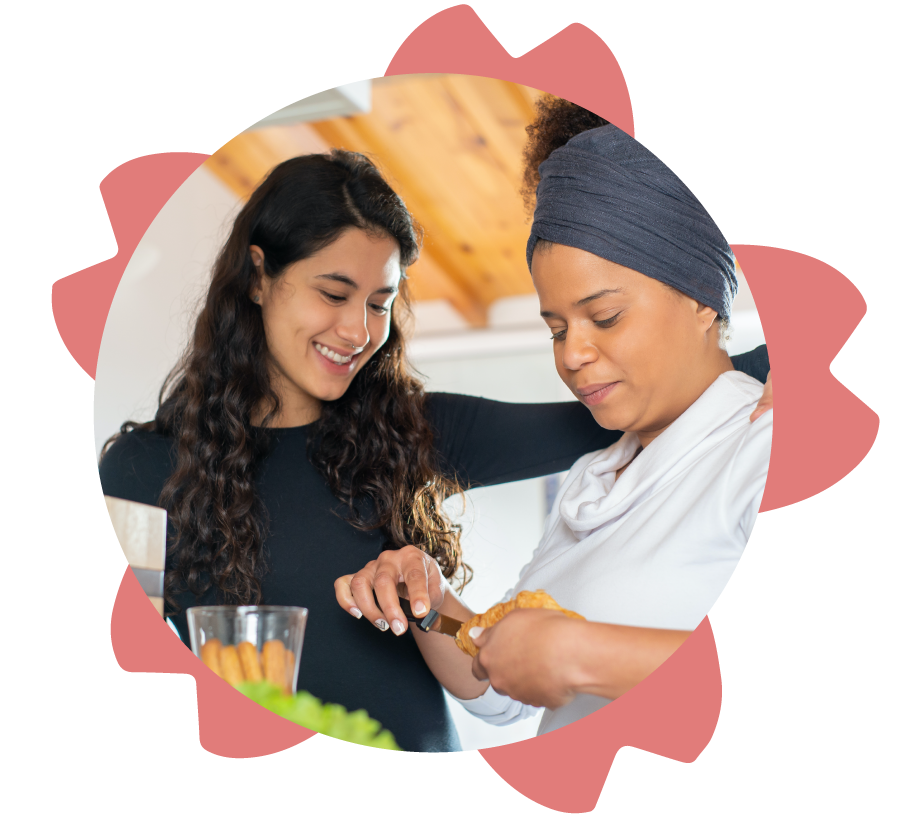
(256, 288)
(706, 316)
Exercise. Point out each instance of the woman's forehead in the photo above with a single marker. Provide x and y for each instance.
(572, 273)
(356, 260)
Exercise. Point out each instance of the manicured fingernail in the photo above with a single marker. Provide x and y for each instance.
(381, 624)
(418, 608)
(476, 631)
(398, 627)
(355, 611)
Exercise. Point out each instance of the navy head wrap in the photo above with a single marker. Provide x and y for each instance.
(604, 193)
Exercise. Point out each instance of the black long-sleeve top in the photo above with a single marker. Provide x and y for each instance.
(309, 545)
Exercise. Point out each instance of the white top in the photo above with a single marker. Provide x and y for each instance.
(656, 547)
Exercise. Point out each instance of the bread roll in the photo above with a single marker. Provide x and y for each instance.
(249, 661)
(209, 654)
(525, 600)
(274, 664)
(231, 665)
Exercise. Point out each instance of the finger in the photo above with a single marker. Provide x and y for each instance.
(415, 576)
(385, 589)
(344, 596)
(362, 586)
(478, 635)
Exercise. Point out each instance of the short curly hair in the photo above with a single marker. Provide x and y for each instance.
(557, 120)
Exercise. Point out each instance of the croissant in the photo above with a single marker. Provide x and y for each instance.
(539, 599)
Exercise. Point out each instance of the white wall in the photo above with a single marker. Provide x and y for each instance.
(156, 301)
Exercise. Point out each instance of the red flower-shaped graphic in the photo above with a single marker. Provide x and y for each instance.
(674, 711)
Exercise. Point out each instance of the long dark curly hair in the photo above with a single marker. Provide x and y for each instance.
(373, 444)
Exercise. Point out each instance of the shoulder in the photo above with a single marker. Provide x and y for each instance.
(746, 387)
(139, 444)
(137, 465)
(747, 470)
(734, 401)
(754, 363)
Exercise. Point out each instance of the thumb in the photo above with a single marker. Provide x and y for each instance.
(477, 635)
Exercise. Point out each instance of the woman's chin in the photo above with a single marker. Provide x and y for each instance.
(611, 418)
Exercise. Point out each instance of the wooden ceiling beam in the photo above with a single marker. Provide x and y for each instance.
(244, 161)
(459, 192)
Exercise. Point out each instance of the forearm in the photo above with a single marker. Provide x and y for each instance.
(607, 660)
(447, 662)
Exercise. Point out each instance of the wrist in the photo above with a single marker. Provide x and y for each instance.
(452, 606)
(577, 645)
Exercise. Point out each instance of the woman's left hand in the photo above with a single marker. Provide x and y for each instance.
(528, 655)
(767, 399)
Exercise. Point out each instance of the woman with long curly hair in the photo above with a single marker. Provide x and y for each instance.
(635, 282)
(292, 441)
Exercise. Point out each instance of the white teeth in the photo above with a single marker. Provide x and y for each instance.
(332, 355)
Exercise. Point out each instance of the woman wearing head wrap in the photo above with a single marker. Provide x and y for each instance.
(636, 283)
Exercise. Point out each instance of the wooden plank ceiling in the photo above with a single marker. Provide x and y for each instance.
(451, 146)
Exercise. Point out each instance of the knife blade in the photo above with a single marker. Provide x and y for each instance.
(433, 621)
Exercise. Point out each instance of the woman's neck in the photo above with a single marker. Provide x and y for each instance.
(295, 410)
(714, 366)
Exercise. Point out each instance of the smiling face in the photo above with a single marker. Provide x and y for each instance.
(635, 351)
(324, 317)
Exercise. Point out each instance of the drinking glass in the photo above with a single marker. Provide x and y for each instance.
(249, 643)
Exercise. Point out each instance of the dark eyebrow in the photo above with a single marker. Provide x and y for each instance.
(351, 283)
(338, 277)
(596, 296)
(546, 314)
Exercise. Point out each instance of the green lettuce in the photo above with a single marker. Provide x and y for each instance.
(329, 719)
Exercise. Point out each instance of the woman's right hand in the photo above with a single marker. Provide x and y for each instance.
(408, 573)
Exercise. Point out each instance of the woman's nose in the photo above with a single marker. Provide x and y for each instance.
(578, 349)
(354, 329)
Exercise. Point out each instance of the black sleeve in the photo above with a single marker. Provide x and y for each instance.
(480, 441)
(754, 363)
(136, 467)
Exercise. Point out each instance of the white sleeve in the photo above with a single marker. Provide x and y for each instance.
(499, 710)
(755, 456)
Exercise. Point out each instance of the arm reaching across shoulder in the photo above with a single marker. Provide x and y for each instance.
(482, 442)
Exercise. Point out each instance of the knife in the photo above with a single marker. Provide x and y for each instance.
(433, 621)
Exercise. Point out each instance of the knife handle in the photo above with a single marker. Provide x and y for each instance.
(426, 623)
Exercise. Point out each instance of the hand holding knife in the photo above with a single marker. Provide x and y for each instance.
(433, 621)
(386, 590)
